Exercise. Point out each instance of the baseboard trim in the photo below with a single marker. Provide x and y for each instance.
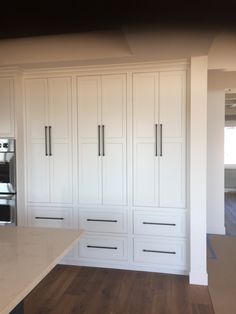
(220, 231)
(198, 278)
(126, 266)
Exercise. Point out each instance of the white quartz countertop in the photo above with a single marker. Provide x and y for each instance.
(27, 255)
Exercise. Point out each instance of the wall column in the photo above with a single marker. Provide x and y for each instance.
(198, 170)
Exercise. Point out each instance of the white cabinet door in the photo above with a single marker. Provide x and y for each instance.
(159, 103)
(113, 97)
(89, 117)
(145, 163)
(173, 120)
(37, 161)
(102, 139)
(6, 107)
(49, 152)
(60, 132)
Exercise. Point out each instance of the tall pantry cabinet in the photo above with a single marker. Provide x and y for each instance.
(49, 150)
(102, 159)
(159, 169)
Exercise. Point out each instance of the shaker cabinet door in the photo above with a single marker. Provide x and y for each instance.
(173, 120)
(49, 150)
(145, 161)
(159, 142)
(113, 96)
(37, 159)
(60, 140)
(89, 116)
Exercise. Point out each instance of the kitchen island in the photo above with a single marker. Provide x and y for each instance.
(27, 255)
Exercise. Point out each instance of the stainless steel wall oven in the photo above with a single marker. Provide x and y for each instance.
(7, 182)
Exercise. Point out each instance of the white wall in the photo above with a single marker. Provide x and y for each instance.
(198, 170)
(215, 159)
(223, 51)
(217, 82)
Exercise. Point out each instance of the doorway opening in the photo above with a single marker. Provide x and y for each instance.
(230, 161)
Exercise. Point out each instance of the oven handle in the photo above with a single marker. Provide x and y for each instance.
(7, 196)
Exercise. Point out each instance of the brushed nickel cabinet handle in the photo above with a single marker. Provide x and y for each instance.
(46, 140)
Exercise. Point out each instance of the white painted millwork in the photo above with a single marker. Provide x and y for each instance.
(159, 119)
(7, 120)
(102, 139)
(198, 164)
(49, 152)
(118, 163)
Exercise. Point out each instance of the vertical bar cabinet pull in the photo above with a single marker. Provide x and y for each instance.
(99, 142)
(160, 139)
(46, 140)
(50, 140)
(156, 140)
(103, 140)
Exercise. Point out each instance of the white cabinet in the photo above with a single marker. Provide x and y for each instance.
(102, 139)
(159, 119)
(49, 152)
(6, 107)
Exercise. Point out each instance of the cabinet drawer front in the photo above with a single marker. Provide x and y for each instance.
(160, 224)
(160, 251)
(115, 222)
(103, 248)
(52, 218)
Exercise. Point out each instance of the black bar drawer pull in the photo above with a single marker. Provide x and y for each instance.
(158, 223)
(102, 247)
(163, 252)
(51, 218)
(102, 220)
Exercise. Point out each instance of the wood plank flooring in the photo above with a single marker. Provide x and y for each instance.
(79, 290)
(230, 213)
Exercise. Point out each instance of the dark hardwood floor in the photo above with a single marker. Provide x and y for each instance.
(230, 213)
(71, 289)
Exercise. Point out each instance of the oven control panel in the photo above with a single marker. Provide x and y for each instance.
(7, 145)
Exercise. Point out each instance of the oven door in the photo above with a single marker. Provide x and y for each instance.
(7, 173)
(7, 209)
